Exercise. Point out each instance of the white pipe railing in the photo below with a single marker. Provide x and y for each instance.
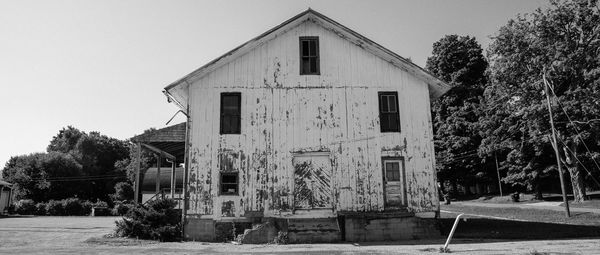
(452, 232)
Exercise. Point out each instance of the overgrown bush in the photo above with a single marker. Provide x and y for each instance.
(159, 220)
(100, 203)
(122, 208)
(25, 207)
(55, 207)
(40, 208)
(73, 206)
(123, 191)
(87, 206)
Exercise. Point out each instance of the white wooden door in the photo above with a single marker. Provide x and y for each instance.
(393, 183)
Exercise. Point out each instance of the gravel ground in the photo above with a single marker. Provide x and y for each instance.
(83, 235)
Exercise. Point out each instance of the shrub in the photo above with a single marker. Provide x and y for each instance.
(73, 206)
(25, 207)
(123, 191)
(40, 208)
(158, 221)
(100, 203)
(122, 208)
(87, 206)
(515, 197)
(55, 208)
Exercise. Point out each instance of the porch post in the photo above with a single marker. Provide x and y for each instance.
(173, 164)
(137, 173)
(158, 163)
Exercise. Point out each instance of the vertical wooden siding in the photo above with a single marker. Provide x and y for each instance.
(283, 112)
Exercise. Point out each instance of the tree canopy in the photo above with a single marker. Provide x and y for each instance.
(459, 61)
(76, 164)
(562, 43)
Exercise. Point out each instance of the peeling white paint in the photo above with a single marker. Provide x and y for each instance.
(285, 113)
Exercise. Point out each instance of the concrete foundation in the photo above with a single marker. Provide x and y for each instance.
(369, 227)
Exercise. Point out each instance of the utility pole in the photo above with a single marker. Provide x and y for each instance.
(498, 172)
(555, 146)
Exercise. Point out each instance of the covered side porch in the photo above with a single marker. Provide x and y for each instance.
(168, 146)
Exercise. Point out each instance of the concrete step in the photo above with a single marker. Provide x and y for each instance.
(311, 230)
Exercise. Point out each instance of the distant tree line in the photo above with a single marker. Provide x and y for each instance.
(75, 164)
(497, 109)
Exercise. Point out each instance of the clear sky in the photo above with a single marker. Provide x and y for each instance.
(101, 65)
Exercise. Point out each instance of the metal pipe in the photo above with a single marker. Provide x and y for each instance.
(452, 231)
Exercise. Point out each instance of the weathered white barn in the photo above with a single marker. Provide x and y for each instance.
(309, 120)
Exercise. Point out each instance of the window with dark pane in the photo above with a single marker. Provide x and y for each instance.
(231, 113)
(389, 116)
(309, 55)
(392, 171)
(229, 183)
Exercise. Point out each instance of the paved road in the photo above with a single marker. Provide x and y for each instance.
(546, 206)
(71, 235)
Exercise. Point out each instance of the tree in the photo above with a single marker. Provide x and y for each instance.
(459, 61)
(76, 164)
(65, 140)
(562, 42)
(35, 176)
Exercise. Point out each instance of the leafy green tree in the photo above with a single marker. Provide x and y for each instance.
(459, 61)
(65, 140)
(34, 176)
(76, 164)
(562, 42)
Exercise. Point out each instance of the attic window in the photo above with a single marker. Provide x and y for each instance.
(309, 55)
(230, 113)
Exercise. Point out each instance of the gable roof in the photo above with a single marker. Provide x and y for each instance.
(436, 86)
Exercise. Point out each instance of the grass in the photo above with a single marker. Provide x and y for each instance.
(538, 215)
(118, 241)
(523, 198)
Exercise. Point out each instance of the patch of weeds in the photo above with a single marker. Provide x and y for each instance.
(445, 250)
(282, 238)
(428, 249)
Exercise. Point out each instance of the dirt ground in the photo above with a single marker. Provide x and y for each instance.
(79, 235)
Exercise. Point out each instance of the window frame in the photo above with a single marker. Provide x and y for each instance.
(383, 115)
(237, 183)
(302, 56)
(238, 115)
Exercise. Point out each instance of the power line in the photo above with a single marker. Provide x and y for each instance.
(79, 178)
(577, 158)
(574, 127)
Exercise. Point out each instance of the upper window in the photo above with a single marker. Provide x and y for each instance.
(231, 113)
(309, 55)
(388, 112)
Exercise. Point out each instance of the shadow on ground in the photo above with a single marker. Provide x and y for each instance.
(485, 228)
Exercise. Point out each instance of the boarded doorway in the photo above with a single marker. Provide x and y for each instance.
(394, 185)
(312, 180)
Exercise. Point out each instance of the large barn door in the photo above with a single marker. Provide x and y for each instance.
(312, 181)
